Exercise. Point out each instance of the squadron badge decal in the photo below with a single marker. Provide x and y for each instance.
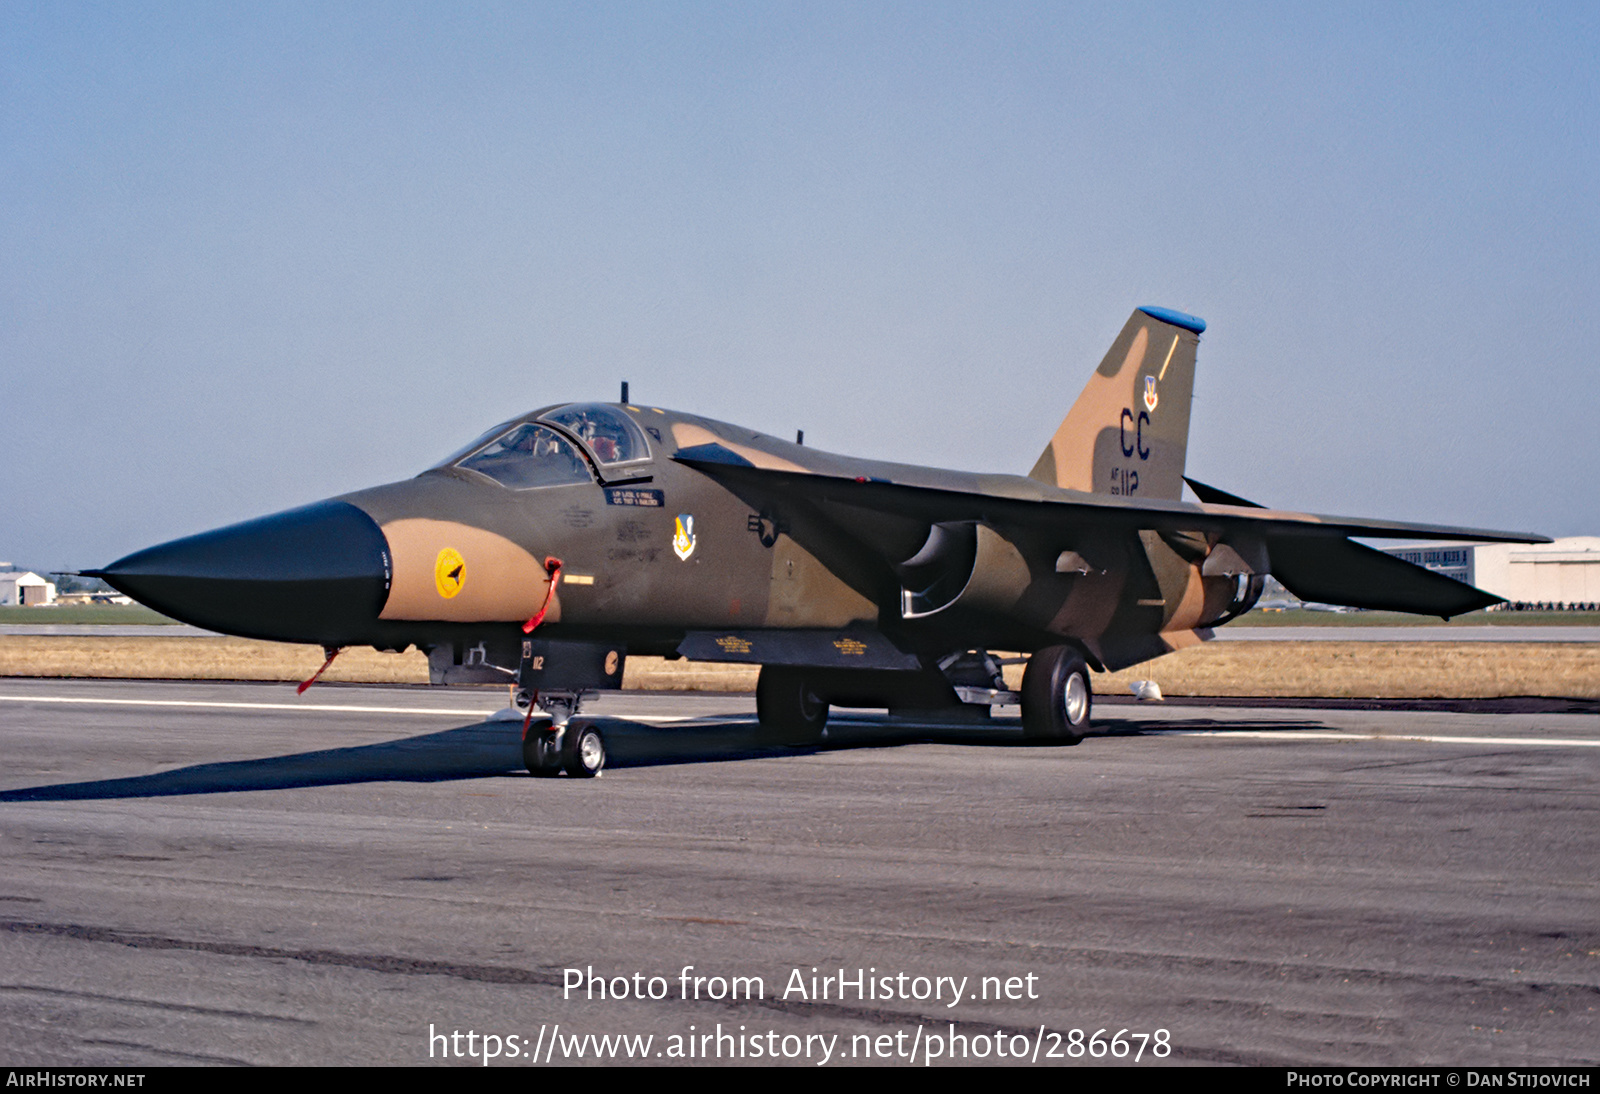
(1150, 394)
(683, 537)
(449, 572)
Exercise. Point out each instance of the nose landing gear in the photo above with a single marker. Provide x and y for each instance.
(551, 745)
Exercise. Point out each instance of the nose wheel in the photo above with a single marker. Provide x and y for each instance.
(578, 748)
(583, 750)
(540, 751)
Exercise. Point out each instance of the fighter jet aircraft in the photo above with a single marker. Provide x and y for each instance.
(559, 542)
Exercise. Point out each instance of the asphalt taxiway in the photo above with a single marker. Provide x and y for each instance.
(218, 873)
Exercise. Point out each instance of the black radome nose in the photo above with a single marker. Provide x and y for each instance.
(318, 574)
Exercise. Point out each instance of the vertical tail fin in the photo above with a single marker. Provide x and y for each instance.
(1129, 431)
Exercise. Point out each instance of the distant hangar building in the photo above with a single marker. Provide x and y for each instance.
(24, 587)
(1563, 574)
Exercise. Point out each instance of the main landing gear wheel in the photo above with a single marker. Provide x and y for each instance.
(539, 751)
(1056, 697)
(583, 750)
(790, 711)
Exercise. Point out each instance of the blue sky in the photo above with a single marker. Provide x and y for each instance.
(258, 255)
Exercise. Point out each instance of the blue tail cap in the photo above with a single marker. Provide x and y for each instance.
(1176, 318)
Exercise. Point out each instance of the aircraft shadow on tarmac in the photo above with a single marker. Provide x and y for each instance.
(490, 749)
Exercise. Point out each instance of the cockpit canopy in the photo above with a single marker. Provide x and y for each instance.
(529, 455)
(521, 455)
(610, 434)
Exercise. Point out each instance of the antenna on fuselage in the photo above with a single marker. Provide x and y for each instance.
(799, 436)
(624, 393)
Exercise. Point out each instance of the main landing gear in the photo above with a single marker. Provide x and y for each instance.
(560, 742)
(788, 707)
(1056, 697)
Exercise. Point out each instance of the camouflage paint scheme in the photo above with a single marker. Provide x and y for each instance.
(718, 542)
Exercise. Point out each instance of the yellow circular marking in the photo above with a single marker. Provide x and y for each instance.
(449, 572)
(611, 663)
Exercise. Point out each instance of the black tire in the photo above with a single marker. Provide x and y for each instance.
(790, 710)
(583, 750)
(539, 750)
(1056, 697)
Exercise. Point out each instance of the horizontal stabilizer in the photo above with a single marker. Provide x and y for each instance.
(1336, 571)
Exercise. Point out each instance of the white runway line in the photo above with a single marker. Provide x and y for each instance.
(244, 706)
(667, 719)
(663, 719)
(338, 708)
(1312, 735)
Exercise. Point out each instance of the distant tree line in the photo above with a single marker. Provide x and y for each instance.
(74, 583)
(1548, 606)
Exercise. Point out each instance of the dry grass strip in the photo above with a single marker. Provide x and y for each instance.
(198, 659)
(146, 658)
(1376, 670)
(1420, 670)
